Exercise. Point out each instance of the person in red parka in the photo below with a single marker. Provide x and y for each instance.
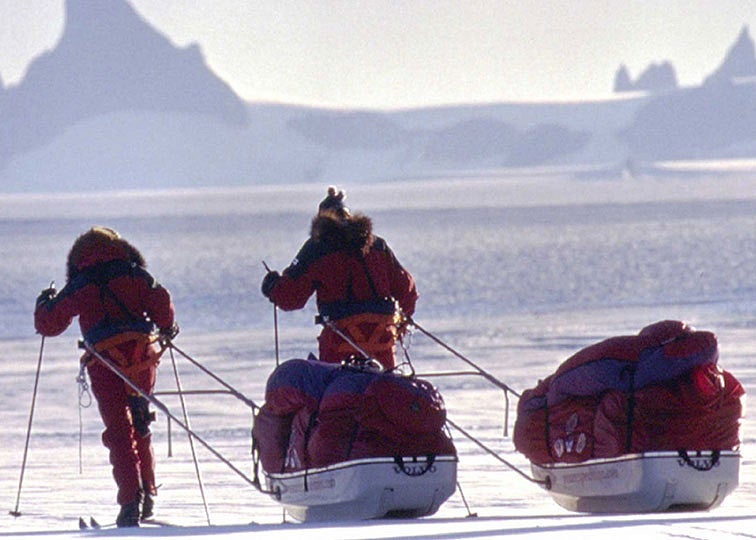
(361, 288)
(122, 311)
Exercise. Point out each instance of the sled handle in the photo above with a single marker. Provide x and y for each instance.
(699, 464)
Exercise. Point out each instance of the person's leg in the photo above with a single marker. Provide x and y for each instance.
(142, 418)
(118, 436)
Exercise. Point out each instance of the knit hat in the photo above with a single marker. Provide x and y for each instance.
(334, 202)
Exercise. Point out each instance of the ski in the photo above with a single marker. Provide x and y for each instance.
(152, 522)
(94, 525)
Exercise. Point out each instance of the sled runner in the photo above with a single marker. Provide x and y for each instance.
(336, 442)
(640, 423)
(647, 482)
(367, 488)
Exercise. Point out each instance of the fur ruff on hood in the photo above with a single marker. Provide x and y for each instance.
(353, 233)
(100, 245)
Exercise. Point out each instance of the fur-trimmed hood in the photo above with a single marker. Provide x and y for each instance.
(99, 245)
(351, 233)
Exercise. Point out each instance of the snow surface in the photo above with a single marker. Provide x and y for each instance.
(516, 272)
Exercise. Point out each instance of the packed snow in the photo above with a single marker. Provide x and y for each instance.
(515, 272)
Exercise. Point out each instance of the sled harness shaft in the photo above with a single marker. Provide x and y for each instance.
(164, 409)
(493, 453)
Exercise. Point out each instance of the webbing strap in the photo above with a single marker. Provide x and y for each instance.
(140, 358)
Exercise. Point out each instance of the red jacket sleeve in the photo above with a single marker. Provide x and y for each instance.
(337, 276)
(159, 306)
(404, 289)
(297, 282)
(138, 296)
(291, 293)
(54, 316)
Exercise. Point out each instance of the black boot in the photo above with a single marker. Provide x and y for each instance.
(148, 506)
(129, 515)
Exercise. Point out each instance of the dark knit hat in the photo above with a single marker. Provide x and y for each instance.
(334, 202)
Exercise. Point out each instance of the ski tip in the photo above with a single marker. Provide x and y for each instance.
(83, 524)
(93, 523)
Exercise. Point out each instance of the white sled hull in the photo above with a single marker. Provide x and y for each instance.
(366, 489)
(648, 482)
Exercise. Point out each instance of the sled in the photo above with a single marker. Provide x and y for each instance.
(645, 482)
(369, 488)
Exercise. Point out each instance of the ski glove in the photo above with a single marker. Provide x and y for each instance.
(269, 281)
(45, 296)
(171, 332)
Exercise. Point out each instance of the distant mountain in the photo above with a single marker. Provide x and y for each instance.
(655, 78)
(710, 122)
(107, 60)
(115, 105)
(715, 120)
(739, 63)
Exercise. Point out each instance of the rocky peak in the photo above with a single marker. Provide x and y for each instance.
(740, 60)
(110, 59)
(655, 78)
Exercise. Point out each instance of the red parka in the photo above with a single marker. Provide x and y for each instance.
(353, 273)
(109, 290)
(120, 306)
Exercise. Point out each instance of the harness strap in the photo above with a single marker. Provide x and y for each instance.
(369, 277)
(372, 331)
(139, 358)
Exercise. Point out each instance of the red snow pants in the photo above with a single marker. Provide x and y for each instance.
(131, 455)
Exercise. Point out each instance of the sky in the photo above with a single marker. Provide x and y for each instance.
(413, 53)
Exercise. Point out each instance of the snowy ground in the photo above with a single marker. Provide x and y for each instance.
(515, 273)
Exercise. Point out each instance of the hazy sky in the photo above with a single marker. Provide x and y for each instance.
(406, 53)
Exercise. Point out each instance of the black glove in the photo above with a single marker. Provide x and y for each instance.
(268, 282)
(45, 296)
(170, 333)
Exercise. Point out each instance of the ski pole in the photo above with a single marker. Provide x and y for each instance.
(275, 319)
(15, 512)
(191, 441)
(275, 332)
